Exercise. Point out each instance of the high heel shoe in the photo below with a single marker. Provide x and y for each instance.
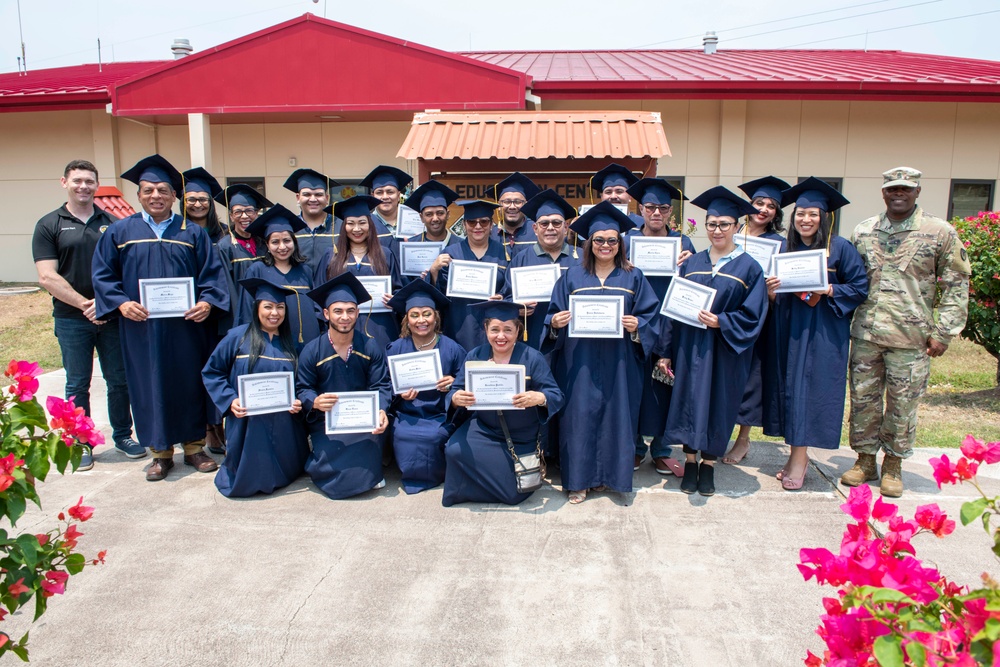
(789, 483)
(689, 484)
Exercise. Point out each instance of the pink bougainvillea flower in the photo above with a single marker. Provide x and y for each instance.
(859, 503)
(944, 470)
(24, 376)
(81, 512)
(73, 422)
(18, 588)
(100, 557)
(53, 584)
(964, 469)
(883, 511)
(71, 535)
(7, 466)
(42, 538)
(930, 517)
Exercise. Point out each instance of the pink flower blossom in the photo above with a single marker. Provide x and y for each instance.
(71, 535)
(7, 466)
(73, 422)
(979, 451)
(18, 588)
(24, 376)
(859, 502)
(883, 511)
(81, 512)
(54, 583)
(930, 517)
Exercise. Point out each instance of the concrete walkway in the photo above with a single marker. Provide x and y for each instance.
(655, 577)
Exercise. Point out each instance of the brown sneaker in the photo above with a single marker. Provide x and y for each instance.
(201, 462)
(865, 470)
(892, 476)
(158, 469)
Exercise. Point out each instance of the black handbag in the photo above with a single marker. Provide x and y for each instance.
(529, 468)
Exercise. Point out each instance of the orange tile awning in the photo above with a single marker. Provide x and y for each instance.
(111, 200)
(535, 134)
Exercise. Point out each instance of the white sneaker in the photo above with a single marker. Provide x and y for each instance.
(380, 485)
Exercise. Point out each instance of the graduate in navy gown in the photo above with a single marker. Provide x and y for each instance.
(515, 232)
(283, 264)
(359, 252)
(551, 214)
(312, 194)
(344, 360)
(431, 200)
(163, 356)
(240, 249)
(813, 334)
(654, 198)
(265, 451)
(602, 377)
(480, 464)
(387, 184)
(765, 195)
(710, 365)
(460, 323)
(420, 425)
(612, 184)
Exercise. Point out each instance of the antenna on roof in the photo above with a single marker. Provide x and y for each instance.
(24, 58)
(100, 65)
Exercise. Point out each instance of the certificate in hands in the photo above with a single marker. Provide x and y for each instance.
(494, 385)
(264, 393)
(596, 316)
(408, 223)
(377, 286)
(472, 280)
(529, 284)
(354, 412)
(685, 299)
(803, 271)
(654, 255)
(415, 370)
(761, 250)
(415, 257)
(166, 297)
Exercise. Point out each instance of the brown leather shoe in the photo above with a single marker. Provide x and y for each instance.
(158, 469)
(201, 462)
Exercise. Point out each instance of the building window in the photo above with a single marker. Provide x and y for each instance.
(678, 206)
(838, 185)
(969, 197)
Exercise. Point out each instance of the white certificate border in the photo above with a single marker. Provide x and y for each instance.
(188, 283)
(328, 415)
(407, 246)
(709, 292)
(464, 294)
(289, 378)
(576, 299)
(823, 277)
(773, 244)
(495, 369)
(515, 271)
(400, 233)
(655, 240)
(376, 305)
(407, 356)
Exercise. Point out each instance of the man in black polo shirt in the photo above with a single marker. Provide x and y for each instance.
(63, 248)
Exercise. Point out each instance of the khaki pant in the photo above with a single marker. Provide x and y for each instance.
(190, 448)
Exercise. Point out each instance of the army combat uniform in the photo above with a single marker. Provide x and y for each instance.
(914, 267)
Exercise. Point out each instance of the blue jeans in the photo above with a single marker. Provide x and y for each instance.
(77, 341)
(657, 445)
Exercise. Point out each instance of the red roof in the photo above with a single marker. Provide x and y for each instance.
(76, 87)
(110, 199)
(775, 73)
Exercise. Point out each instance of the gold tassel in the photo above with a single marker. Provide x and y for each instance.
(371, 305)
(680, 214)
(232, 237)
(298, 305)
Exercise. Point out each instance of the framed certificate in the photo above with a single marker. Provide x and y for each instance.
(166, 297)
(264, 393)
(415, 370)
(596, 316)
(494, 385)
(408, 223)
(654, 255)
(377, 286)
(472, 280)
(586, 207)
(530, 284)
(803, 271)
(354, 412)
(760, 249)
(415, 257)
(685, 299)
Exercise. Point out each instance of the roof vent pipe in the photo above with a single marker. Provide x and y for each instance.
(710, 42)
(181, 48)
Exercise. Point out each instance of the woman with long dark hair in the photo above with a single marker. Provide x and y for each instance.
(602, 376)
(265, 451)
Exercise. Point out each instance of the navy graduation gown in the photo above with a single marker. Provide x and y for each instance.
(603, 382)
(479, 465)
(808, 377)
(236, 261)
(342, 465)
(420, 427)
(535, 256)
(163, 356)
(314, 242)
(263, 452)
(516, 242)
(459, 322)
(711, 365)
(304, 315)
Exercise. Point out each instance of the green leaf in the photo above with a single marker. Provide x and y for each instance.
(41, 602)
(888, 651)
(15, 508)
(75, 563)
(972, 509)
(917, 654)
(38, 460)
(890, 595)
(29, 549)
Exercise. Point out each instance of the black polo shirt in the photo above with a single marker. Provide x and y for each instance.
(62, 237)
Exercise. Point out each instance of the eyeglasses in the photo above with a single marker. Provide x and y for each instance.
(652, 208)
(479, 222)
(550, 223)
(597, 240)
(245, 213)
(194, 201)
(722, 226)
(513, 203)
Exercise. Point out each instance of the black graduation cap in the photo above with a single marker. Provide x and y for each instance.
(477, 208)
(276, 219)
(654, 191)
(431, 193)
(769, 186)
(261, 289)
(516, 182)
(355, 207)
(814, 193)
(719, 201)
(496, 310)
(602, 217)
(155, 169)
(242, 194)
(547, 202)
(308, 178)
(199, 180)
(384, 175)
(418, 294)
(344, 287)
(612, 175)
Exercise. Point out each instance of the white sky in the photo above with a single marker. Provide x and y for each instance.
(63, 32)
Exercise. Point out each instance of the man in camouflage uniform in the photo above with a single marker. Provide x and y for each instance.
(917, 267)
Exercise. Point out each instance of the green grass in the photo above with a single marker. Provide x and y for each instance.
(26, 330)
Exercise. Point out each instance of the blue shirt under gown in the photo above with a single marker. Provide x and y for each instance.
(420, 428)
(163, 356)
(711, 365)
(536, 256)
(342, 465)
(236, 261)
(303, 315)
(459, 322)
(263, 452)
(479, 465)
